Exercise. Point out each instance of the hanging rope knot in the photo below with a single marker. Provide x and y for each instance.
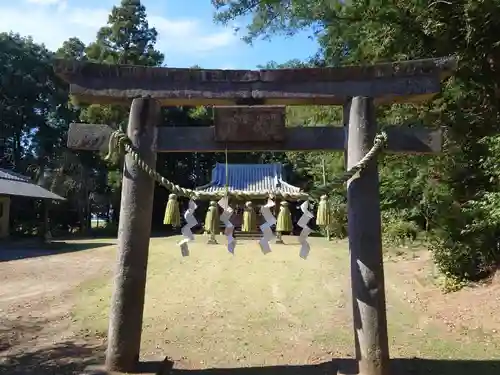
(379, 143)
(118, 144)
(381, 139)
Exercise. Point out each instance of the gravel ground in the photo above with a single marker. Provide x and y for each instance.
(36, 335)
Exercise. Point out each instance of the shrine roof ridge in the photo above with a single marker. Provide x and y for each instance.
(253, 178)
(70, 69)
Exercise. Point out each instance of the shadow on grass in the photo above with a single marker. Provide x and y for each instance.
(70, 358)
(16, 332)
(16, 251)
(61, 359)
(18, 356)
(414, 366)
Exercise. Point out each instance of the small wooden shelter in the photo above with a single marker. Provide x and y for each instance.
(15, 184)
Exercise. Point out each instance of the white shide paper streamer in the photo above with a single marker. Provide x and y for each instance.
(229, 227)
(186, 229)
(306, 231)
(267, 232)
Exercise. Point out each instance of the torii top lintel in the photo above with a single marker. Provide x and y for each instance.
(404, 81)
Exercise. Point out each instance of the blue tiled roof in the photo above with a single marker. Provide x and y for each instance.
(257, 178)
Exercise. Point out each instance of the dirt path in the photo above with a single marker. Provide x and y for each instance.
(470, 309)
(35, 321)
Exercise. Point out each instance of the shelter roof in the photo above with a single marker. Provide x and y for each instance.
(12, 183)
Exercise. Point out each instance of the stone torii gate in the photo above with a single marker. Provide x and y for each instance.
(252, 119)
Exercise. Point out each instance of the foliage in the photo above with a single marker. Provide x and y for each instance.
(397, 231)
(127, 39)
(29, 103)
(338, 221)
(450, 283)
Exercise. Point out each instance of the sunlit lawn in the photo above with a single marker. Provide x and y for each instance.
(217, 310)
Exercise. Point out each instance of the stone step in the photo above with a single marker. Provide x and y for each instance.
(244, 235)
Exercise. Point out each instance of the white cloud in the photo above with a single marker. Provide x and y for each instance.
(188, 36)
(53, 21)
(44, 2)
(217, 40)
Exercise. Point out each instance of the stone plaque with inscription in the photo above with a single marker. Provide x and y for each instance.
(249, 123)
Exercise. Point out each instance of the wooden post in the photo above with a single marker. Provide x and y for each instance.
(41, 221)
(4, 216)
(47, 234)
(346, 108)
(43, 227)
(365, 243)
(127, 303)
(327, 229)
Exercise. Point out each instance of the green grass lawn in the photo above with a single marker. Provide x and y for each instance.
(218, 310)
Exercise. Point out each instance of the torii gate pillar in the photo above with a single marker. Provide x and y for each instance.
(134, 232)
(364, 229)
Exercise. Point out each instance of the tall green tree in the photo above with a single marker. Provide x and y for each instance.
(27, 92)
(72, 49)
(126, 39)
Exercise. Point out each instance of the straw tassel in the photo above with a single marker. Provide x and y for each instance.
(284, 221)
(172, 214)
(212, 222)
(212, 218)
(249, 219)
(323, 213)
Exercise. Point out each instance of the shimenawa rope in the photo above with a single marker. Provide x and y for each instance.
(119, 143)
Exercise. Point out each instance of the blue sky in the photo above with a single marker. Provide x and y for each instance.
(187, 34)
